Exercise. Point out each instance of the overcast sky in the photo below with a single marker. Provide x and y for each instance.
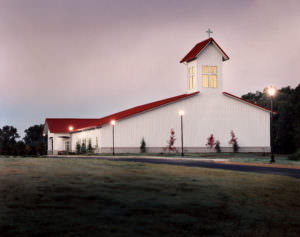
(90, 58)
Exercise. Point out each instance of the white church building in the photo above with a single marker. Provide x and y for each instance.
(207, 110)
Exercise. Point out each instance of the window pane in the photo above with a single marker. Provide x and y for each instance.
(193, 70)
(213, 69)
(205, 80)
(213, 81)
(194, 82)
(204, 69)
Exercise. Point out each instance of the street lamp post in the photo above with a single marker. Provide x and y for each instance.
(113, 123)
(181, 113)
(271, 92)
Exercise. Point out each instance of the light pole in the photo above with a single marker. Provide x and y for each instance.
(181, 113)
(272, 92)
(113, 123)
(69, 147)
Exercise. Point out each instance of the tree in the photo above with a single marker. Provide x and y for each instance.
(35, 140)
(8, 136)
(218, 147)
(90, 148)
(83, 148)
(143, 146)
(211, 141)
(78, 148)
(171, 141)
(233, 142)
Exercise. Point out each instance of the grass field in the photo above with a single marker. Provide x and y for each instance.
(78, 197)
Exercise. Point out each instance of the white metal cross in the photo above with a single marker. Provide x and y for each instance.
(208, 32)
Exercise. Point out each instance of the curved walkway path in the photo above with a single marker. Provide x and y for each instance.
(275, 169)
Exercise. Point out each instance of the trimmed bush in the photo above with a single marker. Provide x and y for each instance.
(295, 156)
(143, 146)
(218, 147)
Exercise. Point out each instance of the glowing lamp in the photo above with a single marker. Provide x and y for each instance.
(181, 112)
(271, 91)
(113, 122)
(71, 128)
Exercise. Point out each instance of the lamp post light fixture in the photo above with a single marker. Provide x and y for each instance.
(113, 123)
(272, 91)
(181, 113)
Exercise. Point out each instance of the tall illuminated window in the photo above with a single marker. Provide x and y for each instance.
(192, 77)
(97, 144)
(209, 76)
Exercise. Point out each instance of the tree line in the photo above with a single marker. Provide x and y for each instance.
(33, 142)
(286, 126)
(286, 123)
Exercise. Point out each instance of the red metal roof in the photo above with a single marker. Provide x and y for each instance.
(61, 125)
(249, 102)
(197, 49)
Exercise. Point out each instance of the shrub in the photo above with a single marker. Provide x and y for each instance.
(78, 148)
(171, 142)
(233, 142)
(211, 141)
(295, 156)
(90, 148)
(218, 147)
(83, 148)
(143, 146)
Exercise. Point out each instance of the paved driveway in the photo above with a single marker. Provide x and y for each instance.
(195, 163)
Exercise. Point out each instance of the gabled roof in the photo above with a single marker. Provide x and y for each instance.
(61, 125)
(199, 47)
(249, 102)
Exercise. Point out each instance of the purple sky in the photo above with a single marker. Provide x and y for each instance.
(90, 58)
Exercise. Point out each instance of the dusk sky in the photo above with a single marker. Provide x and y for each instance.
(91, 58)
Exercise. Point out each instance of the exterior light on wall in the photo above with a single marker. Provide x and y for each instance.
(181, 113)
(272, 92)
(71, 128)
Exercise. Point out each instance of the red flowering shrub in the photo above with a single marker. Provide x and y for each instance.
(211, 141)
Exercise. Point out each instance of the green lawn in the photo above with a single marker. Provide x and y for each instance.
(78, 197)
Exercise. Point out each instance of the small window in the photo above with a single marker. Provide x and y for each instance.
(97, 142)
(205, 80)
(192, 78)
(213, 81)
(204, 69)
(213, 70)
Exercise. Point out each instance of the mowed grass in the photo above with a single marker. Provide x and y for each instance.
(81, 197)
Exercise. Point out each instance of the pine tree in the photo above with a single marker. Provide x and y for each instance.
(78, 147)
(83, 148)
(218, 147)
(143, 146)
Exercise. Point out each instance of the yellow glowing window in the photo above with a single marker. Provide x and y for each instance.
(192, 78)
(213, 81)
(213, 70)
(204, 69)
(205, 80)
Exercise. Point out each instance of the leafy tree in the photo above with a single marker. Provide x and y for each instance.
(143, 146)
(8, 136)
(211, 141)
(171, 141)
(286, 124)
(35, 140)
(20, 148)
(233, 142)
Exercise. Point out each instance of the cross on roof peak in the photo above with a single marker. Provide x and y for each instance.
(209, 32)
